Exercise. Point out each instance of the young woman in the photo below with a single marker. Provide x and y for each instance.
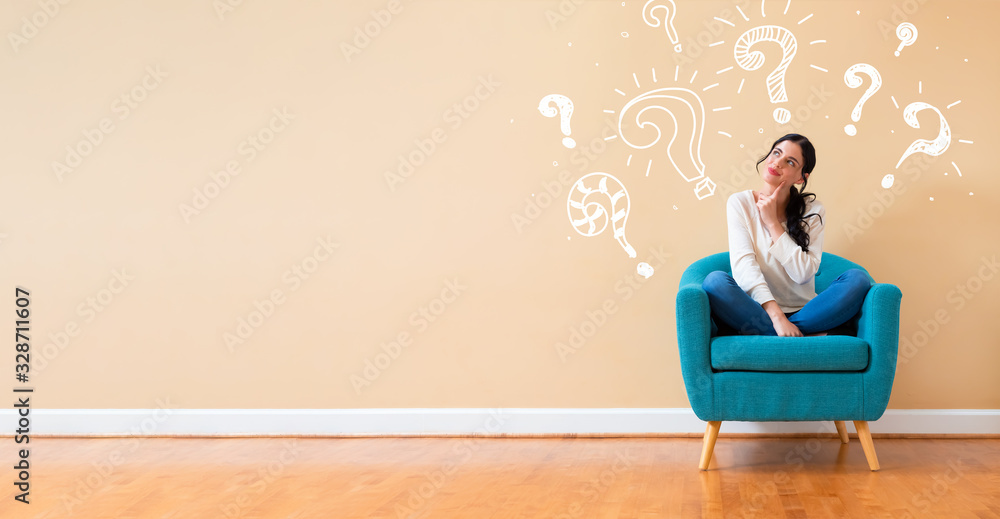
(775, 247)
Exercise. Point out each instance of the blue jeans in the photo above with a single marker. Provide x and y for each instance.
(830, 308)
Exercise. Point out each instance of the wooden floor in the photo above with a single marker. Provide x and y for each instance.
(513, 478)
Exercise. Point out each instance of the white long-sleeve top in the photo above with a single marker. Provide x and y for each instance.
(782, 271)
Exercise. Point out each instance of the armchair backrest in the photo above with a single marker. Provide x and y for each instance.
(830, 267)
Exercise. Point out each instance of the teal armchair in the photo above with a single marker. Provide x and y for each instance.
(761, 379)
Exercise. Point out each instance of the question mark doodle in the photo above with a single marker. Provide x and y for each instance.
(688, 103)
(751, 61)
(565, 111)
(854, 81)
(907, 33)
(584, 212)
(668, 18)
(933, 148)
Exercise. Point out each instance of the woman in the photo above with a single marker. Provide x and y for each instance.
(775, 247)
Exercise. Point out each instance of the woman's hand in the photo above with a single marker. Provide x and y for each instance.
(785, 328)
(781, 324)
(767, 207)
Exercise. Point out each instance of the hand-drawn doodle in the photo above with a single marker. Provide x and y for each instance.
(934, 147)
(564, 109)
(854, 81)
(591, 206)
(651, 7)
(751, 61)
(682, 102)
(907, 34)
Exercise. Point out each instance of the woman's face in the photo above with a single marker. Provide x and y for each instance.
(784, 164)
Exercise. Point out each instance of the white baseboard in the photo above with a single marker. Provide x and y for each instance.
(458, 422)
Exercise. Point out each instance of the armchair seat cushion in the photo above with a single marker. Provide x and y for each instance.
(763, 353)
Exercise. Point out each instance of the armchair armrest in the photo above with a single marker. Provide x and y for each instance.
(878, 325)
(693, 338)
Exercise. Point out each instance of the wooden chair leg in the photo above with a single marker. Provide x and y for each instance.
(711, 434)
(842, 431)
(865, 436)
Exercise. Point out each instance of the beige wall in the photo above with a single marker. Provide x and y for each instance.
(170, 274)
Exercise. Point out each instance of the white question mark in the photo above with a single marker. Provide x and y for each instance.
(854, 81)
(907, 33)
(668, 18)
(584, 212)
(565, 111)
(751, 61)
(932, 148)
(685, 102)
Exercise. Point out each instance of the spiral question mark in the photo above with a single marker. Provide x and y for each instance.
(668, 18)
(854, 81)
(682, 102)
(564, 111)
(907, 33)
(933, 148)
(751, 61)
(585, 212)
